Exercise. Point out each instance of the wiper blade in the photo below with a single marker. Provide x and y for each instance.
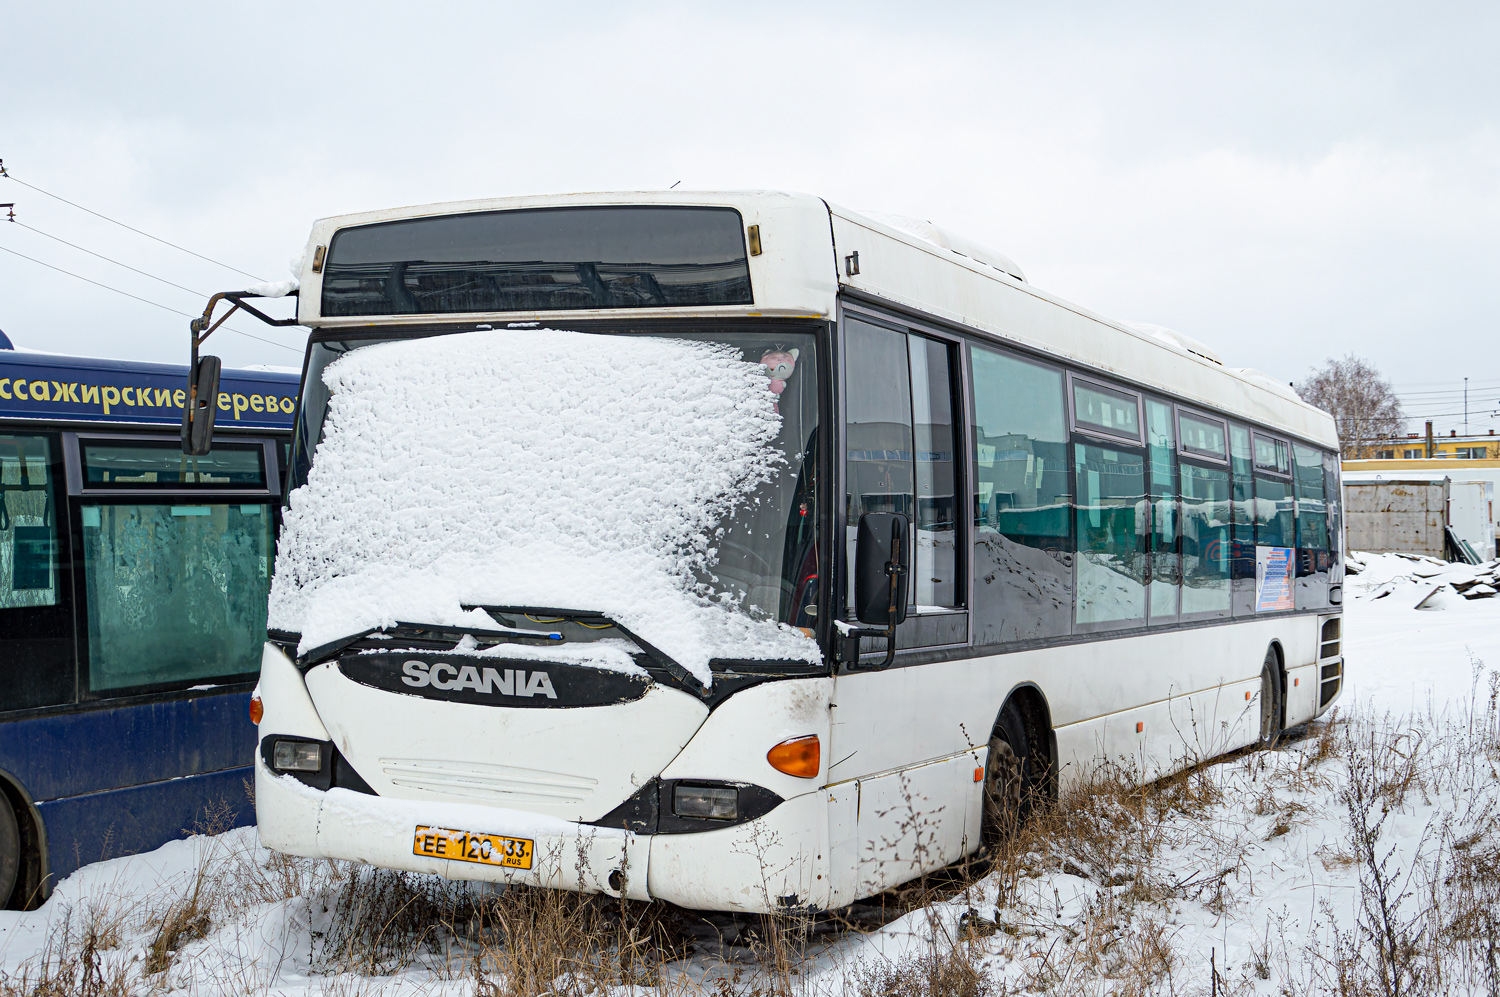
(669, 664)
(502, 634)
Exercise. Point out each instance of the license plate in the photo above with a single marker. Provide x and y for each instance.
(467, 846)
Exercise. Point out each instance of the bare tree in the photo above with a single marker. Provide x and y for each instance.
(1362, 402)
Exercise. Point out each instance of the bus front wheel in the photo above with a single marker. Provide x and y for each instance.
(1005, 776)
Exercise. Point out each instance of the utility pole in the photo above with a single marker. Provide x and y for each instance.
(1466, 406)
(1429, 439)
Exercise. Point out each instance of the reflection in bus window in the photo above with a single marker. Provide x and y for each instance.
(1243, 554)
(899, 438)
(1312, 513)
(1022, 567)
(1205, 540)
(1273, 512)
(878, 433)
(175, 592)
(1202, 435)
(936, 512)
(1112, 524)
(1270, 455)
(1111, 412)
(28, 524)
(131, 464)
(1165, 561)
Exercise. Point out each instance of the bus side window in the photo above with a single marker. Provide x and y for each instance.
(1332, 498)
(1023, 577)
(176, 591)
(1161, 450)
(1242, 530)
(36, 631)
(28, 524)
(1113, 524)
(175, 584)
(1313, 559)
(1205, 540)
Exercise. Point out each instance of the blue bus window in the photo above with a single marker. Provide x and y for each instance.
(176, 593)
(129, 464)
(28, 524)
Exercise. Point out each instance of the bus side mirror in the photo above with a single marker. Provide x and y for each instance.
(882, 565)
(201, 407)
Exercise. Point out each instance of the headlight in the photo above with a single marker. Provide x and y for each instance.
(706, 802)
(297, 756)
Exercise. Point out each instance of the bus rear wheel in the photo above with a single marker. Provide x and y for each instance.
(10, 849)
(1270, 700)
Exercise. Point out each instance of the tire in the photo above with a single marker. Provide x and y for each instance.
(10, 850)
(1270, 700)
(1008, 776)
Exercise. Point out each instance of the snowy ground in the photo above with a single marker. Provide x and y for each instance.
(1374, 833)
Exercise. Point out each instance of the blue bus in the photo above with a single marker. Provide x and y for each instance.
(133, 584)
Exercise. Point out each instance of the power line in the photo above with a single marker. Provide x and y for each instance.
(154, 304)
(183, 249)
(106, 259)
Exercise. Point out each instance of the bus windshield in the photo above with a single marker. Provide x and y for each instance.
(554, 469)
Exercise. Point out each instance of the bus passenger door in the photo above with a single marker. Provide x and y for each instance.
(891, 727)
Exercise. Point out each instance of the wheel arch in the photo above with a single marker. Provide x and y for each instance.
(33, 883)
(1037, 713)
(1276, 649)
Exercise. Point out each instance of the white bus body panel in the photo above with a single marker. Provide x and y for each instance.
(574, 764)
(1189, 687)
(778, 861)
(921, 275)
(734, 741)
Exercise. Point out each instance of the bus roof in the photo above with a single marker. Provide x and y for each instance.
(60, 388)
(813, 250)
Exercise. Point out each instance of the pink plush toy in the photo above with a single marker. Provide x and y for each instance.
(779, 365)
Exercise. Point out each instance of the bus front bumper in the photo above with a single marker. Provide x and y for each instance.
(775, 862)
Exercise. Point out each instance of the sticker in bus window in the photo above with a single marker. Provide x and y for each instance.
(1273, 579)
(31, 566)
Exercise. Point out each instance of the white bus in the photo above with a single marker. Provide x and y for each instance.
(748, 553)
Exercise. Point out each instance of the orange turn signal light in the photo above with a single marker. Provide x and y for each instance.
(257, 709)
(799, 756)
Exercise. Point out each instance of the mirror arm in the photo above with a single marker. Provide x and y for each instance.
(199, 330)
(850, 652)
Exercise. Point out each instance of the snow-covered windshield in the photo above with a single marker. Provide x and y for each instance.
(667, 480)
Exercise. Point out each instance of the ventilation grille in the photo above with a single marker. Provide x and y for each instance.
(1332, 675)
(494, 783)
(1330, 645)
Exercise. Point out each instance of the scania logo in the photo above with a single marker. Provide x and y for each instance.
(490, 681)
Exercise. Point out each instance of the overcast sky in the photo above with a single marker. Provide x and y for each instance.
(1284, 182)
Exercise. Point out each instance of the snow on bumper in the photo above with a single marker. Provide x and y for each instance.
(776, 861)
